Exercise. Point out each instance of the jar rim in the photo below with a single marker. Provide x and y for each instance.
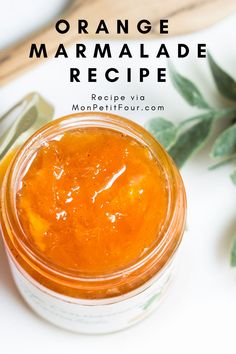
(83, 120)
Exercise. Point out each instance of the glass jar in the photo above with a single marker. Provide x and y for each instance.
(105, 302)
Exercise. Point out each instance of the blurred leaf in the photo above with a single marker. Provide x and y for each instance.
(187, 89)
(225, 144)
(223, 162)
(226, 113)
(192, 139)
(233, 177)
(233, 253)
(224, 82)
(30, 114)
(163, 130)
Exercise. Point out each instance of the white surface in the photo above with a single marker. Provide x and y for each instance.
(199, 313)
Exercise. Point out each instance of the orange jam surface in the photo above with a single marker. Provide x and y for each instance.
(92, 200)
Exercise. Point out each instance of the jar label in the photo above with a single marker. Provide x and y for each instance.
(92, 316)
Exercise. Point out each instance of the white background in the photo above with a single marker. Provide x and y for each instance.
(200, 311)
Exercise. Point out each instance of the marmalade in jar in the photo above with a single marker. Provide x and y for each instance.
(93, 201)
(93, 210)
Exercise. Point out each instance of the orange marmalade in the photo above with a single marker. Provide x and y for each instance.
(92, 208)
(86, 201)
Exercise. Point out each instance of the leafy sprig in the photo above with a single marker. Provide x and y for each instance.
(183, 140)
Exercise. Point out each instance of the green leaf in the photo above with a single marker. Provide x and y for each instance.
(224, 82)
(225, 144)
(223, 162)
(30, 114)
(226, 113)
(233, 177)
(187, 89)
(163, 130)
(233, 253)
(192, 139)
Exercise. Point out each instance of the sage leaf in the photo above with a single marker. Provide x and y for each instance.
(187, 89)
(163, 130)
(225, 144)
(233, 253)
(224, 82)
(226, 113)
(30, 114)
(233, 177)
(191, 139)
(223, 162)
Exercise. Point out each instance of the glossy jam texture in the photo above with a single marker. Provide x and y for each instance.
(93, 201)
